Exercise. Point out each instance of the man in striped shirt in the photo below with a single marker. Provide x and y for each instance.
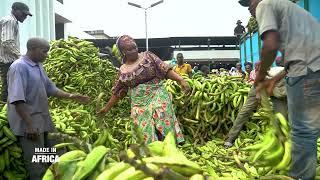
(9, 41)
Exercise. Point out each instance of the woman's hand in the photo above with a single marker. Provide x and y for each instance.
(185, 86)
(102, 112)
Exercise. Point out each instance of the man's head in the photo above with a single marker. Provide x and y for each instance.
(180, 58)
(20, 11)
(252, 4)
(37, 49)
(238, 66)
(239, 22)
(205, 69)
(248, 66)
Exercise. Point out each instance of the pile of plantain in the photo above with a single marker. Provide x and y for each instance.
(158, 160)
(11, 160)
(74, 66)
(211, 106)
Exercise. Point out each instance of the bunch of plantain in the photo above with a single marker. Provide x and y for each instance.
(159, 159)
(77, 121)
(252, 25)
(274, 148)
(74, 66)
(211, 106)
(11, 160)
(77, 164)
(165, 160)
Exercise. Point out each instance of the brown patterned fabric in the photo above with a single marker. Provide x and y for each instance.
(150, 68)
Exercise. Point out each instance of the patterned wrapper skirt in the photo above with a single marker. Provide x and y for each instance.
(152, 111)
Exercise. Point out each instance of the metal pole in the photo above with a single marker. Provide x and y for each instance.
(146, 24)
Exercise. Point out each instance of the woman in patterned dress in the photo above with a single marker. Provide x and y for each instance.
(142, 75)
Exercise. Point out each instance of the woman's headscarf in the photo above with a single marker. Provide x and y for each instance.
(122, 42)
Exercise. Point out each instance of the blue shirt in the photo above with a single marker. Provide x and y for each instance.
(28, 82)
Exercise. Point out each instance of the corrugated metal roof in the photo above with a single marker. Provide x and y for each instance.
(210, 54)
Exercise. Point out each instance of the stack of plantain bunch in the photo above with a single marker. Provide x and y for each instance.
(273, 150)
(157, 160)
(77, 122)
(218, 162)
(232, 163)
(211, 106)
(11, 160)
(74, 66)
(252, 25)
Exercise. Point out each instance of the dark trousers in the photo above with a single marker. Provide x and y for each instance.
(36, 170)
(4, 67)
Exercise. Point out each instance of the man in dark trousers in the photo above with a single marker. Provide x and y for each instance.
(9, 41)
(28, 109)
(284, 25)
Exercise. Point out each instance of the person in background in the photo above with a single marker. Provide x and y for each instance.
(253, 73)
(205, 70)
(195, 69)
(181, 67)
(28, 107)
(248, 67)
(283, 24)
(233, 71)
(239, 30)
(9, 41)
(239, 71)
(173, 61)
(143, 75)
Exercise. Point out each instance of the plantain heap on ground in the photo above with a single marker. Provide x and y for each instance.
(11, 161)
(94, 144)
(207, 113)
(74, 66)
(211, 107)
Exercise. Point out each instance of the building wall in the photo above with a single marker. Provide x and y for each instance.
(41, 24)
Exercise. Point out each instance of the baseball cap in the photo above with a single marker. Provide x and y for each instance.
(22, 7)
(244, 3)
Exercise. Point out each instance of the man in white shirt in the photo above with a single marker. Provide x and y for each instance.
(9, 41)
(285, 25)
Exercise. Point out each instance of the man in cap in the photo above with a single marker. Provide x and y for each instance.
(239, 30)
(28, 109)
(9, 41)
(285, 25)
